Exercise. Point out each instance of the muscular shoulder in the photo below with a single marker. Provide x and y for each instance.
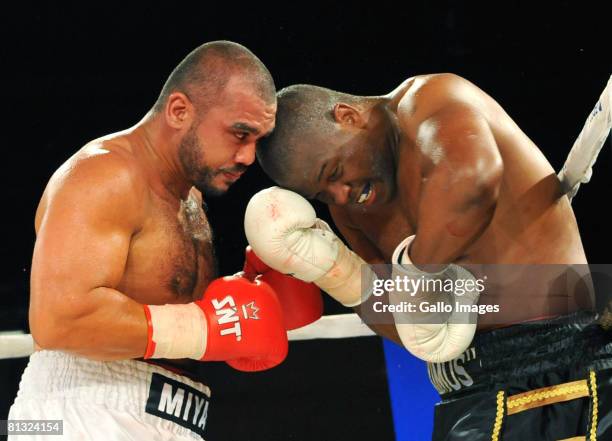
(103, 175)
(429, 94)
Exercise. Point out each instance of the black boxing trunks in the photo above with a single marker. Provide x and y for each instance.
(547, 380)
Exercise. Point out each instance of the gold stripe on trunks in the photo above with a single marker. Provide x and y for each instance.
(499, 416)
(595, 404)
(547, 395)
(576, 438)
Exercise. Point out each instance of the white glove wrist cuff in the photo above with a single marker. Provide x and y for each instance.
(343, 280)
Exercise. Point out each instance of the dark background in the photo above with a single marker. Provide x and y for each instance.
(71, 74)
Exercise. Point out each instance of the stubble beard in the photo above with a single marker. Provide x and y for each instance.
(193, 161)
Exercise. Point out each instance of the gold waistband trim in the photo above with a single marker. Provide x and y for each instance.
(547, 395)
(550, 395)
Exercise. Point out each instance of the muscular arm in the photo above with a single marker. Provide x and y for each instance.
(461, 172)
(361, 245)
(92, 210)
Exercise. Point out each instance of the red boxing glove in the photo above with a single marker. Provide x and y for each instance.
(301, 302)
(245, 324)
(238, 321)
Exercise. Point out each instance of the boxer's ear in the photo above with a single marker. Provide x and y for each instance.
(179, 111)
(347, 115)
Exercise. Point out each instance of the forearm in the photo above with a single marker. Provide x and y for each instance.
(103, 324)
(382, 323)
(388, 331)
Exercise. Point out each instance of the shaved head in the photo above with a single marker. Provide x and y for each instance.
(304, 126)
(204, 73)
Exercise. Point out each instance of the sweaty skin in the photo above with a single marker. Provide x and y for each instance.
(120, 224)
(442, 121)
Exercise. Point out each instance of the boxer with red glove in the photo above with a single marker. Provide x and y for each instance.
(237, 320)
(301, 302)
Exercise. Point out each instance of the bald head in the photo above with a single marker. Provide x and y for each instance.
(305, 124)
(204, 73)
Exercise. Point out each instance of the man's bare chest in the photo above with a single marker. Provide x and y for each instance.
(171, 260)
(384, 227)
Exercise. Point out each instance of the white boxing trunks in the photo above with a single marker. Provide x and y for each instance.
(118, 400)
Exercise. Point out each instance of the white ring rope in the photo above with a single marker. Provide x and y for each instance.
(332, 326)
(577, 169)
(578, 166)
(15, 344)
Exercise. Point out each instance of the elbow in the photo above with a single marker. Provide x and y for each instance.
(46, 337)
(488, 190)
(47, 331)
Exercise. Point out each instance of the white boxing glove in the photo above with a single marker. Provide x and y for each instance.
(283, 229)
(434, 337)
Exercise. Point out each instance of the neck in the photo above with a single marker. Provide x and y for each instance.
(393, 131)
(380, 114)
(160, 144)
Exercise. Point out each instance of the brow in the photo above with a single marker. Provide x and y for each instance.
(246, 128)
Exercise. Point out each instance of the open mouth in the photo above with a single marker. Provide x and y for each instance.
(365, 194)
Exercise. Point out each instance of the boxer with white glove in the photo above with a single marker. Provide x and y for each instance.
(440, 159)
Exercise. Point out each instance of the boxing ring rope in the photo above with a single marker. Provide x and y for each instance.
(577, 170)
(15, 344)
